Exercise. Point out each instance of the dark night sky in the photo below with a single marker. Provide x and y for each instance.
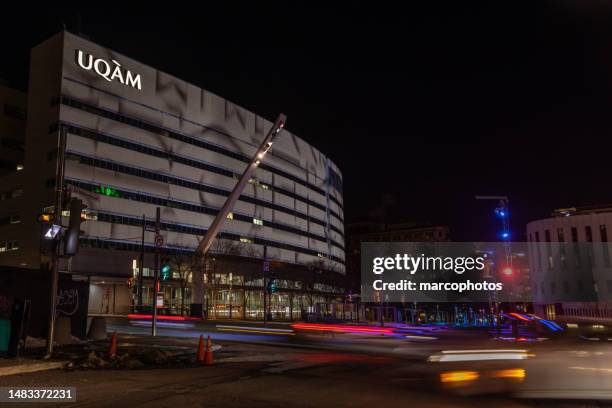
(422, 108)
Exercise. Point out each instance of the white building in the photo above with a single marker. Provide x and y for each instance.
(570, 260)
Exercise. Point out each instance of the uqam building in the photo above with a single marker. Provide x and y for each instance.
(136, 139)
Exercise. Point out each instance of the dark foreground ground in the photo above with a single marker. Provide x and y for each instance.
(249, 375)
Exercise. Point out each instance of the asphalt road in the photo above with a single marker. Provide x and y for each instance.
(356, 370)
(247, 375)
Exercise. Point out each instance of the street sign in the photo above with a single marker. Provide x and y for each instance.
(159, 241)
(52, 231)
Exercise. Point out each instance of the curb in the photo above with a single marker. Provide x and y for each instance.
(31, 368)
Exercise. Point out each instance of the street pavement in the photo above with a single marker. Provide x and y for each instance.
(325, 369)
(247, 375)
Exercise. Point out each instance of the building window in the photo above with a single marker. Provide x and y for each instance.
(604, 245)
(575, 247)
(561, 239)
(539, 255)
(257, 221)
(566, 288)
(7, 246)
(230, 216)
(246, 240)
(15, 219)
(549, 254)
(589, 239)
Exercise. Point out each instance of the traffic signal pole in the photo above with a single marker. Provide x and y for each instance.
(265, 287)
(59, 195)
(141, 266)
(155, 275)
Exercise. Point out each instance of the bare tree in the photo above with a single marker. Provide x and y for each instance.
(184, 262)
(223, 251)
(315, 269)
(247, 276)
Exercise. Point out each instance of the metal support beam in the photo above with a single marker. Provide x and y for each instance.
(266, 144)
(215, 227)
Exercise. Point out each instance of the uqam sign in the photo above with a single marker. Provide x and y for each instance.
(110, 71)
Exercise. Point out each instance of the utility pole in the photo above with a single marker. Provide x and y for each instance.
(156, 271)
(503, 212)
(266, 267)
(57, 218)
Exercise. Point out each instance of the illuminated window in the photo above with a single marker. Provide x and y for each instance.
(246, 240)
(19, 167)
(230, 216)
(15, 219)
(6, 246)
(265, 186)
(257, 221)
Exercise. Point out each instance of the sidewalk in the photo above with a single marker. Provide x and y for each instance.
(27, 365)
(133, 351)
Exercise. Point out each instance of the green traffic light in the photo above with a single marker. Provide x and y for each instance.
(165, 272)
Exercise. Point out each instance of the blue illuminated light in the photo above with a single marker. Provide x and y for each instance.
(500, 212)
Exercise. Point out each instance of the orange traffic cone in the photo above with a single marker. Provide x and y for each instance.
(208, 358)
(112, 348)
(200, 355)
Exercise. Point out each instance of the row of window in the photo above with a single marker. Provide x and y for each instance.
(562, 250)
(168, 202)
(103, 243)
(6, 195)
(84, 106)
(588, 234)
(194, 230)
(126, 144)
(8, 246)
(164, 178)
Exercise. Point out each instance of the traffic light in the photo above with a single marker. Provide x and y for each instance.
(46, 217)
(165, 271)
(272, 286)
(74, 226)
(131, 284)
